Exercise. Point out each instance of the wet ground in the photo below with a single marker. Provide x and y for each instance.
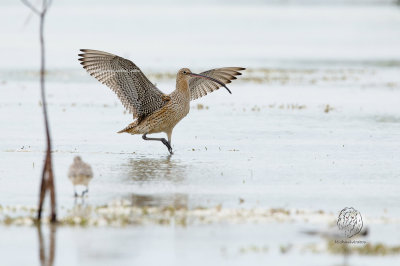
(296, 142)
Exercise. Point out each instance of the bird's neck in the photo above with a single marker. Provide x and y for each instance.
(182, 85)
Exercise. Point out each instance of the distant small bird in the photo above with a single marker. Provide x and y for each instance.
(80, 173)
(153, 110)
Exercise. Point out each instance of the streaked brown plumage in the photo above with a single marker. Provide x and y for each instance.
(80, 173)
(154, 111)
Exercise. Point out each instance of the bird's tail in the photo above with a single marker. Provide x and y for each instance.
(128, 129)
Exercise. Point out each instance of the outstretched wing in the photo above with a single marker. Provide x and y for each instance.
(138, 95)
(199, 87)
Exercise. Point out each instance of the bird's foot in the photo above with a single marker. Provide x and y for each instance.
(166, 143)
(85, 192)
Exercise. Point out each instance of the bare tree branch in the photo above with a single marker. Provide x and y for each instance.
(31, 7)
(47, 5)
(47, 182)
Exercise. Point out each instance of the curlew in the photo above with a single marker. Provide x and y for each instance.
(153, 111)
(80, 173)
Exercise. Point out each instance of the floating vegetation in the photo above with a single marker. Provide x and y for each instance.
(253, 249)
(328, 108)
(262, 75)
(387, 119)
(123, 213)
(303, 76)
(378, 249)
(368, 249)
(285, 248)
(287, 106)
(200, 106)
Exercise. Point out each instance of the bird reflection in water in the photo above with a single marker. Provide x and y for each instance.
(155, 169)
(176, 200)
(81, 209)
(47, 251)
(148, 170)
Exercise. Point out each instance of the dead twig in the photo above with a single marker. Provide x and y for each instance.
(47, 182)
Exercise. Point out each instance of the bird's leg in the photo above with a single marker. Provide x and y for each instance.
(75, 193)
(86, 190)
(164, 141)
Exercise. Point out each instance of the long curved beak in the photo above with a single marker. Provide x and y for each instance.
(212, 79)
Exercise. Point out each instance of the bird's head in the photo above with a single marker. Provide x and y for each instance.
(77, 159)
(184, 73)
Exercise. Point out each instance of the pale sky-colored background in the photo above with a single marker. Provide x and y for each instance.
(159, 35)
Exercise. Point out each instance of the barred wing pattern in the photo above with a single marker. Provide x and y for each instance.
(138, 95)
(199, 87)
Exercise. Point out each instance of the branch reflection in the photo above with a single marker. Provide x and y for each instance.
(47, 252)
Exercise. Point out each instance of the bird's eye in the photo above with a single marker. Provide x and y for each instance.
(184, 72)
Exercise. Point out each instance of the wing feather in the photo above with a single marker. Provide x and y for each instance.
(200, 87)
(137, 94)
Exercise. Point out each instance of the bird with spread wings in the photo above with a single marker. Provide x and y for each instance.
(153, 110)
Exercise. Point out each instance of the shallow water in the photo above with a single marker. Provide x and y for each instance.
(267, 145)
(255, 144)
(313, 124)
